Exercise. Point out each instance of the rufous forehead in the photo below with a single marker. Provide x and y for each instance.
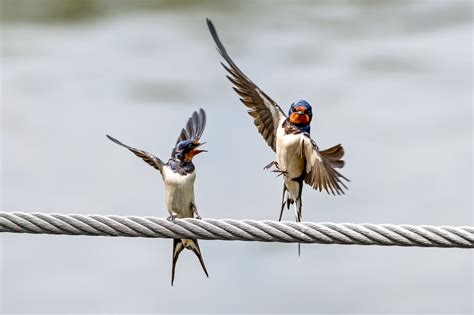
(300, 108)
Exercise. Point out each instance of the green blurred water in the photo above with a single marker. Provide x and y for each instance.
(390, 80)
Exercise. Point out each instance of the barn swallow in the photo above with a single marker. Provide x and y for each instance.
(298, 158)
(178, 175)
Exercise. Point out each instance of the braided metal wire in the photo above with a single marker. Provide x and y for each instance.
(245, 230)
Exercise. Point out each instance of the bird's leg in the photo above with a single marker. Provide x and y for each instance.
(277, 170)
(280, 172)
(195, 211)
(272, 163)
(172, 217)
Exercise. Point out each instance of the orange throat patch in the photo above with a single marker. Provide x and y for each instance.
(189, 156)
(299, 119)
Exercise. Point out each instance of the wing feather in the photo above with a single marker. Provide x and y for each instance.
(321, 173)
(194, 127)
(147, 157)
(266, 113)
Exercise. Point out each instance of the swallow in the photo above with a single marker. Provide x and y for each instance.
(179, 174)
(298, 159)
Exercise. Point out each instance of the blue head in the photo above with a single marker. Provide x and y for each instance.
(185, 150)
(300, 114)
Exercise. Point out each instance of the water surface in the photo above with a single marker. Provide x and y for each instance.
(391, 81)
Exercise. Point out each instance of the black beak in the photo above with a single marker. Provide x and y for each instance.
(197, 146)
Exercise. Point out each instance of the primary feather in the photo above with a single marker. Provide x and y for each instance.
(145, 156)
(194, 127)
(266, 113)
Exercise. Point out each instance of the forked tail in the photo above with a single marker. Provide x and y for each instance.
(178, 246)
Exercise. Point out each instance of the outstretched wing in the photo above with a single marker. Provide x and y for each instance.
(321, 167)
(266, 113)
(147, 157)
(194, 127)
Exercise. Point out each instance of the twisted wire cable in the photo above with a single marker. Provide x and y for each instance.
(235, 230)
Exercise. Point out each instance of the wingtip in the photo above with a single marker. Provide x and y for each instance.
(202, 112)
(111, 138)
(209, 23)
(116, 141)
(215, 36)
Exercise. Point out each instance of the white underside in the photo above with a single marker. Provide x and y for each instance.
(290, 158)
(179, 192)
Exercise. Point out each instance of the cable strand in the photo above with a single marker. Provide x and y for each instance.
(235, 230)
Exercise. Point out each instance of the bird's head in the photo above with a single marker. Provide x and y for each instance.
(300, 113)
(187, 149)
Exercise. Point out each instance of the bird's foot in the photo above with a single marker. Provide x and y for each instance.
(172, 217)
(273, 163)
(280, 172)
(197, 216)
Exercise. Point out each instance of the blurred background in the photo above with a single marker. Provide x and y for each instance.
(390, 80)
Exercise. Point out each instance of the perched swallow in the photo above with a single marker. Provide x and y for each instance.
(179, 175)
(298, 158)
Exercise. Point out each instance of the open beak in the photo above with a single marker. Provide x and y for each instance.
(196, 151)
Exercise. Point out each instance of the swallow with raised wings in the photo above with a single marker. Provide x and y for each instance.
(298, 158)
(178, 176)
